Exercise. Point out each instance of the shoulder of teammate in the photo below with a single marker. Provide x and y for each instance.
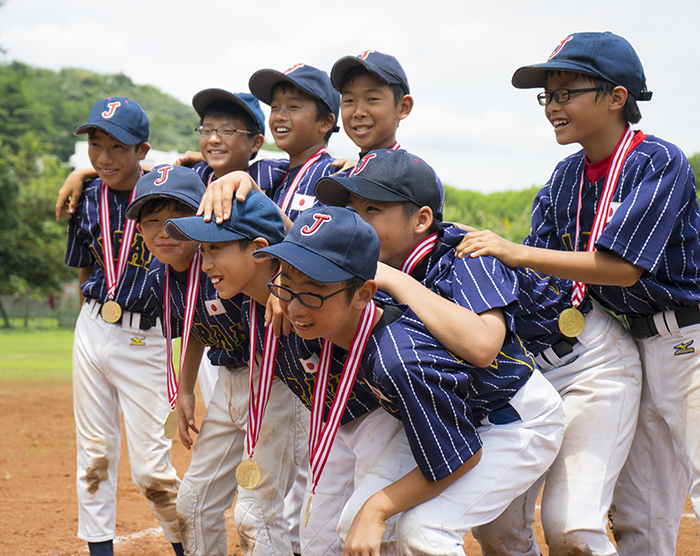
(268, 173)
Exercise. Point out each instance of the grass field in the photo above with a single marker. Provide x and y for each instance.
(28, 354)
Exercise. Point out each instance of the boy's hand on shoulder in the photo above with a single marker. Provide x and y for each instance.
(189, 159)
(70, 192)
(366, 532)
(479, 243)
(185, 417)
(275, 317)
(342, 164)
(218, 198)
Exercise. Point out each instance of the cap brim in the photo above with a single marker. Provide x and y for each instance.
(262, 82)
(194, 228)
(307, 262)
(204, 98)
(335, 191)
(533, 77)
(341, 67)
(119, 133)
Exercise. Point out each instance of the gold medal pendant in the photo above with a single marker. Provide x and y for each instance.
(248, 474)
(111, 312)
(170, 427)
(307, 513)
(571, 322)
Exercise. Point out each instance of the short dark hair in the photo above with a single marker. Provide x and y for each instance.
(631, 111)
(409, 209)
(159, 204)
(359, 70)
(322, 109)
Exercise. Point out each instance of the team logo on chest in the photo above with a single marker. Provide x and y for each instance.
(320, 219)
(111, 108)
(684, 348)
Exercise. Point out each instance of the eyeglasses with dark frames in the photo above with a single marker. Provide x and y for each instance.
(311, 300)
(223, 131)
(561, 96)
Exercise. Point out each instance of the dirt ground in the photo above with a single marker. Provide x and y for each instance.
(37, 484)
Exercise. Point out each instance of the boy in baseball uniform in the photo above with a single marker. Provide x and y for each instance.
(620, 218)
(119, 349)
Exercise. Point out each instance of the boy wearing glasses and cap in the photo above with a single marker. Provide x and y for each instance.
(421, 457)
(620, 219)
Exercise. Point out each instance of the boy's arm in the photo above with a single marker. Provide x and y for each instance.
(367, 529)
(190, 158)
(83, 274)
(599, 267)
(185, 393)
(218, 197)
(476, 338)
(71, 190)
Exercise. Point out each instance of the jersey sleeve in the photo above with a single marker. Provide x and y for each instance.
(78, 253)
(658, 188)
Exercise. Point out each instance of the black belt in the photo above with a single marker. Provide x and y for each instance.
(643, 326)
(146, 321)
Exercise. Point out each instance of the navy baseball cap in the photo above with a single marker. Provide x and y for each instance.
(329, 244)
(309, 79)
(168, 182)
(386, 176)
(384, 66)
(255, 217)
(121, 117)
(248, 102)
(603, 55)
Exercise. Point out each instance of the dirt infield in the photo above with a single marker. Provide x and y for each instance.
(37, 484)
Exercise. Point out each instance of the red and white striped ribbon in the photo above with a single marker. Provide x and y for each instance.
(193, 275)
(297, 179)
(602, 215)
(321, 437)
(257, 401)
(113, 276)
(418, 253)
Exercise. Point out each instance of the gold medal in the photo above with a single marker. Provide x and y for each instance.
(170, 427)
(307, 513)
(111, 312)
(571, 322)
(248, 474)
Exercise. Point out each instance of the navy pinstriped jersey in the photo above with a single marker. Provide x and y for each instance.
(217, 322)
(654, 225)
(297, 363)
(267, 173)
(304, 196)
(85, 249)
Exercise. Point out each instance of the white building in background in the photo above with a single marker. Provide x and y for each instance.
(80, 158)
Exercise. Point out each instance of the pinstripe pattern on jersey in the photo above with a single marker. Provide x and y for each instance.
(223, 332)
(84, 249)
(290, 368)
(655, 225)
(267, 173)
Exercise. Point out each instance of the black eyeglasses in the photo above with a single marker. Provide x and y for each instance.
(311, 300)
(223, 131)
(561, 96)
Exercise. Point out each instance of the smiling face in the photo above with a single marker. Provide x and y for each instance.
(116, 164)
(370, 113)
(177, 254)
(295, 125)
(228, 154)
(231, 269)
(336, 320)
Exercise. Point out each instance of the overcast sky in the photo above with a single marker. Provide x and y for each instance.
(476, 130)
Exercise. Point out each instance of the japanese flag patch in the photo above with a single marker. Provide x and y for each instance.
(215, 307)
(302, 202)
(311, 364)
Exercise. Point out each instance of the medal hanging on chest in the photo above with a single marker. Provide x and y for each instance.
(571, 320)
(248, 472)
(321, 436)
(193, 277)
(111, 311)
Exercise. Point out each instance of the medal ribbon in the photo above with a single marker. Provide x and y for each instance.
(297, 179)
(321, 437)
(418, 253)
(395, 146)
(601, 218)
(193, 276)
(258, 403)
(113, 276)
